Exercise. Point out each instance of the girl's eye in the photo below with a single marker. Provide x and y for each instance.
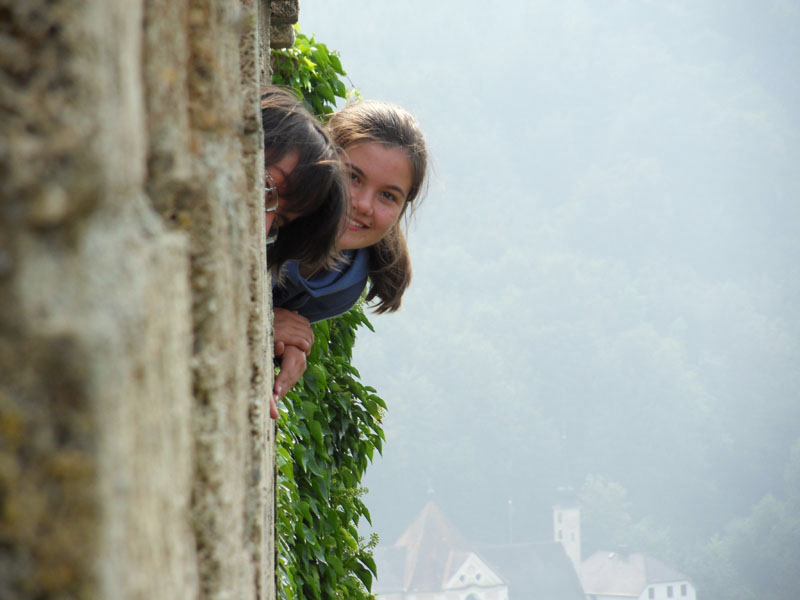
(390, 197)
(354, 178)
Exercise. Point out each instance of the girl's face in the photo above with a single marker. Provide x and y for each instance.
(275, 178)
(380, 181)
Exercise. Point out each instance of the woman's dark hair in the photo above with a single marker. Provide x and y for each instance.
(315, 188)
(390, 125)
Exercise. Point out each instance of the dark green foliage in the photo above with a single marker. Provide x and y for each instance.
(607, 524)
(328, 431)
(756, 556)
(312, 71)
(753, 557)
(330, 423)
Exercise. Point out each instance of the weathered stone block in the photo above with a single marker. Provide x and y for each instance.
(281, 36)
(284, 11)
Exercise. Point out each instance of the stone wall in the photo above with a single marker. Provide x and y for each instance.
(135, 352)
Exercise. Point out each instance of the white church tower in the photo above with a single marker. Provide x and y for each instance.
(567, 524)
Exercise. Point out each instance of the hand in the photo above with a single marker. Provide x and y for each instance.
(293, 365)
(291, 329)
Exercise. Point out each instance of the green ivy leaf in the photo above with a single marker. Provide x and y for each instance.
(299, 453)
(336, 63)
(364, 575)
(326, 91)
(316, 431)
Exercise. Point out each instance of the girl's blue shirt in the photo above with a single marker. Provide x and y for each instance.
(325, 294)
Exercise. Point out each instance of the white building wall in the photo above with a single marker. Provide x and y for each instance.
(669, 591)
(567, 531)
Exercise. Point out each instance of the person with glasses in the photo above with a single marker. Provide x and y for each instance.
(304, 183)
(384, 153)
(305, 198)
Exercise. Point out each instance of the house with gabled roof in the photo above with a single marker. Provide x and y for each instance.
(611, 575)
(432, 560)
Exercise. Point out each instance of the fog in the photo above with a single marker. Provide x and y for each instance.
(606, 282)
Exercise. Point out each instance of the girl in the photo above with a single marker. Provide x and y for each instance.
(305, 191)
(384, 152)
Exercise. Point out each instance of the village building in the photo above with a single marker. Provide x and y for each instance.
(609, 575)
(432, 560)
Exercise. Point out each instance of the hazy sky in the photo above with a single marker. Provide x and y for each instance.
(614, 208)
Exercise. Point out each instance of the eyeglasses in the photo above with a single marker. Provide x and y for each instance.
(273, 200)
(271, 204)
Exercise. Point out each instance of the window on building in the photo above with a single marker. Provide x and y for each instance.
(651, 593)
(669, 591)
(559, 517)
(560, 535)
(683, 589)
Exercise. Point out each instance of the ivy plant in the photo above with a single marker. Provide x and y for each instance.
(329, 426)
(328, 431)
(313, 71)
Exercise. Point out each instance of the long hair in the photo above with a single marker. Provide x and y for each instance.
(315, 188)
(391, 125)
(390, 271)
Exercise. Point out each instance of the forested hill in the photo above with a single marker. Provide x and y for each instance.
(606, 289)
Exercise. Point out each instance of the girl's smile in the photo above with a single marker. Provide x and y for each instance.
(380, 180)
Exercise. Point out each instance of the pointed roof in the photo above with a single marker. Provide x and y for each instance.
(431, 556)
(624, 574)
(431, 521)
(434, 550)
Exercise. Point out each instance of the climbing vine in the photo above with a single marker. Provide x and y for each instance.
(330, 423)
(313, 71)
(328, 431)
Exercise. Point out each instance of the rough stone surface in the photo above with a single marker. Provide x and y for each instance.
(281, 36)
(136, 451)
(284, 11)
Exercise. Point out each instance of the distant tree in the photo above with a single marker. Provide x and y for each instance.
(758, 555)
(714, 575)
(605, 516)
(606, 522)
(765, 549)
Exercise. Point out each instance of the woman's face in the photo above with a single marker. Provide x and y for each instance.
(380, 181)
(275, 177)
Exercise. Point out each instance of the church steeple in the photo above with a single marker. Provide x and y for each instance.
(567, 524)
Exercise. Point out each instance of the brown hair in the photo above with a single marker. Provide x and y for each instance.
(388, 124)
(315, 188)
